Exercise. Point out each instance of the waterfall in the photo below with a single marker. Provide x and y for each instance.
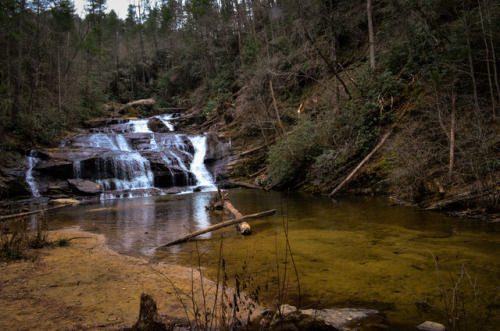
(128, 159)
(203, 177)
(166, 120)
(32, 161)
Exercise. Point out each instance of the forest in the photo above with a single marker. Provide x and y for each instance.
(316, 84)
(351, 133)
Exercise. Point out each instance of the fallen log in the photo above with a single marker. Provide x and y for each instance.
(142, 102)
(244, 184)
(243, 227)
(33, 212)
(221, 201)
(250, 151)
(338, 188)
(219, 226)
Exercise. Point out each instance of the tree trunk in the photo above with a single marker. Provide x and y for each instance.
(471, 62)
(493, 54)
(452, 131)
(19, 72)
(488, 69)
(219, 226)
(371, 37)
(276, 109)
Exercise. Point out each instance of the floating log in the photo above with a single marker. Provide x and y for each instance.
(219, 226)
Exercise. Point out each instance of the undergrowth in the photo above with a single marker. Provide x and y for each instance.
(19, 236)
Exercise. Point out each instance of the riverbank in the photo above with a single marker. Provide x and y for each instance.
(85, 285)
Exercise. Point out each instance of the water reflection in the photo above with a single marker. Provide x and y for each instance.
(359, 252)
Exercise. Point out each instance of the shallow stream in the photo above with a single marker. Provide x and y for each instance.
(355, 252)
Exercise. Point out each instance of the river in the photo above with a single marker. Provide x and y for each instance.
(353, 252)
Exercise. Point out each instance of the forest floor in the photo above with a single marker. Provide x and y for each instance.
(85, 285)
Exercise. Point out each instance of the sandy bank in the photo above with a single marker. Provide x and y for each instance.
(86, 285)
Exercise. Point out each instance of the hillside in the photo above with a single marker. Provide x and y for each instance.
(300, 89)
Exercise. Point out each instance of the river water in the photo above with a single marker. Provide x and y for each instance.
(354, 252)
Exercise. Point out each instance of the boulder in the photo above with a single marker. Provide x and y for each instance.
(331, 319)
(85, 187)
(296, 321)
(156, 125)
(14, 187)
(431, 326)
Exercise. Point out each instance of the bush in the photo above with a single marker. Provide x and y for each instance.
(16, 237)
(297, 149)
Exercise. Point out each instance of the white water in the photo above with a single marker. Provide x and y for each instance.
(166, 120)
(32, 161)
(140, 126)
(122, 171)
(203, 177)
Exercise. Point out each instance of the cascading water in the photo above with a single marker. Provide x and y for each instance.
(29, 175)
(128, 159)
(203, 177)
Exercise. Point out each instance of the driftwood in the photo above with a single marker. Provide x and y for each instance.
(219, 226)
(368, 157)
(142, 102)
(243, 227)
(33, 212)
(221, 201)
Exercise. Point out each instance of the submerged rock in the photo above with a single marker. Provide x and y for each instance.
(85, 186)
(431, 326)
(328, 319)
(64, 201)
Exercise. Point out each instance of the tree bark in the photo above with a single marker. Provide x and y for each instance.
(368, 157)
(19, 73)
(471, 62)
(487, 51)
(276, 109)
(219, 226)
(371, 37)
(452, 131)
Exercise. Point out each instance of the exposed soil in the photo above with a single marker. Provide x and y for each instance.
(87, 286)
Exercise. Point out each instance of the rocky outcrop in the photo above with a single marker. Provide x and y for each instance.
(58, 168)
(218, 155)
(84, 187)
(124, 155)
(156, 125)
(327, 319)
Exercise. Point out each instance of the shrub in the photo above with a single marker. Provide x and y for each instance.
(298, 148)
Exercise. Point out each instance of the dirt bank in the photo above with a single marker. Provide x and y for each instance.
(86, 286)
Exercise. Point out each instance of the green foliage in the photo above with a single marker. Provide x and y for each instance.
(290, 154)
(207, 112)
